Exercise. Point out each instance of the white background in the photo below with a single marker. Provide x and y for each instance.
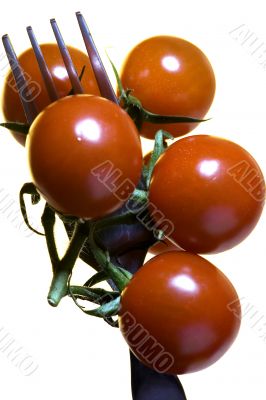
(79, 356)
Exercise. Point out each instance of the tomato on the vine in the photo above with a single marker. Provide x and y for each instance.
(179, 313)
(170, 76)
(12, 108)
(84, 155)
(210, 189)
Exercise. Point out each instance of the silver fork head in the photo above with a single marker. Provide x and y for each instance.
(71, 70)
(23, 89)
(27, 101)
(45, 72)
(100, 73)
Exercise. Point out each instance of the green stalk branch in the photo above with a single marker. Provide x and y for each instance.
(48, 223)
(159, 147)
(139, 195)
(63, 270)
(120, 276)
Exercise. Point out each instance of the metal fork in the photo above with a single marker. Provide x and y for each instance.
(27, 100)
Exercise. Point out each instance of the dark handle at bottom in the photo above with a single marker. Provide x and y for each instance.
(150, 385)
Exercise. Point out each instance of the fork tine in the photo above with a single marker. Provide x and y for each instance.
(25, 95)
(72, 73)
(46, 74)
(101, 76)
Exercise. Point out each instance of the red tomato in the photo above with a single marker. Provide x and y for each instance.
(12, 108)
(212, 191)
(170, 76)
(84, 155)
(179, 313)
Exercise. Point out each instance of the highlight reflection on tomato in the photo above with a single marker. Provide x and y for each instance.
(84, 155)
(211, 189)
(170, 76)
(175, 313)
(12, 108)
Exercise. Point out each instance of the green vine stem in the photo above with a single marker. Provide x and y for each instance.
(119, 276)
(160, 146)
(139, 195)
(63, 269)
(48, 223)
(28, 188)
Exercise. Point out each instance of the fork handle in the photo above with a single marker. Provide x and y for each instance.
(147, 384)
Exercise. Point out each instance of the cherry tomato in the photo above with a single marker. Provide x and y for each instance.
(179, 313)
(84, 155)
(170, 76)
(211, 190)
(163, 246)
(12, 108)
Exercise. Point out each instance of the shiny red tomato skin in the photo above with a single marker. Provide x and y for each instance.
(211, 206)
(183, 302)
(12, 108)
(170, 76)
(72, 137)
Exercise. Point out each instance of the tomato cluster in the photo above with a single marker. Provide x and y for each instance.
(174, 312)
(85, 158)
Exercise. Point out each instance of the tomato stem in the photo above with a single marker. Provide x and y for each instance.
(139, 195)
(160, 146)
(59, 287)
(48, 223)
(63, 269)
(119, 276)
(28, 188)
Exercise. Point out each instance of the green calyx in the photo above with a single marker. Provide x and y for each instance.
(16, 127)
